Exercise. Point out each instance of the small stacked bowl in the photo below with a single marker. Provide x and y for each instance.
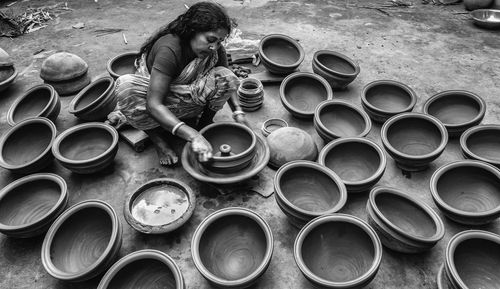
(39, 101)
(66, 72)
(95, 101)
(338, 69)
(482, 143)
(280, 54)
(272, 124)
(250, 94)
(121, 64)
(8, 72)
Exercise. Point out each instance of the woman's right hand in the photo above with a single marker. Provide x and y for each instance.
(201, 147)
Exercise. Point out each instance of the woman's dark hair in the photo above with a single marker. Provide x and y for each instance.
(201, 17)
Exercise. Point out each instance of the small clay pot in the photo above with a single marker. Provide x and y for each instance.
(301, 92)
(338, 69)
(359, 162)
(39, 101)
(232, 247)
(7, 77)
(272, 124)
(142, 270)
(86, 148)
(382, 99)
(458, 110)
(280, 54)
(487, 18)
(414, 140)
(121, 64)
(250, 94)
(288, 144)
(338, 251)
(66, 72)
(472, 259)
(95, 101)
(26, 147)
(467, 192)
(477, 4)
(29, 205)
(335, 118)
(482, 143)
(404, 224)
(159, 206)
(83, 242)
(305, 190)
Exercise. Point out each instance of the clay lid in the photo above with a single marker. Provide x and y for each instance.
(5, 59)
(63, 66)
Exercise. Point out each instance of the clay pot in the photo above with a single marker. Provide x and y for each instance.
(250, 94)
(121, 64)
(29, 205)
(359, 162)
(232, 247)
(382, 99)
(280, 54)
(338, 251)
(338, 69)
(142, 270)
(289, 144)
(233, 146)
(5, 59)
(477, 4)
(159, 206)
(7, 77)
(467, 192)
(336, 118)
(414, 140)
(272, 124)
(86, 148)
(95, 101)
(472, 259)
(305, 190)
(66, 72)
(301, 92)
(404, 224)
(441, 280)
(458, 110)
(39, 101)
(482, 143)
(486, 18)
(83, 242)
(26, 147)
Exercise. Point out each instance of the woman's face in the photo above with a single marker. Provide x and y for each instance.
(204, 43)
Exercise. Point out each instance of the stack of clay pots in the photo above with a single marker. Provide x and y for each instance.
(66, 72)
(250, 94)
(8, 72)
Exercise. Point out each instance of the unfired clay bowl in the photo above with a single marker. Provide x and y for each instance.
(232, 247)
(280, 54)
(83, 242)
(143, 269)
(467, 192)
(359, 162)
(458, 110)
(7, 77)
(39, 101)
(272, 124)
(289, 144)
(338, 69)
(486, 18)
(122, 64)
(403, 223)
(66, 72)
(382, 99)
(301, 92)
(95, 101)
(338, 251)
(26, 147)
(482, 143)
(159, 206)
(414, 140)
(29, 205)
(86, 148)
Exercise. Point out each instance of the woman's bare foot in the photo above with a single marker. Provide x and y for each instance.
(166, 154)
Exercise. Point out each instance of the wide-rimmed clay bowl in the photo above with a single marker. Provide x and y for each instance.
(482, 143)
(403, 223)
(83, 242)
(95, 101)
(290, 144)
(121, 64)
(39, 101)
(86, 148)
(305, 190)
(338, 251)
(338, 69)
(458, 110)
(232, 247)
(159, 206)
(143, 269)
(414, 140)
(336, 118)
(486, 18)
(467, 192)
(382, 99)
(233, 146)
(26, 147)
(29, 205)
(472, 259)
(359, 162)
(7, 77)
(280, 54)
(301, 92)
(272, 124)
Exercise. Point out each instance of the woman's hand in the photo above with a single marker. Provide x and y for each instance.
(225, 84)
(240, 118)
(201, 147)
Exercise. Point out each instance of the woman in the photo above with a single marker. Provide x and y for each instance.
(182, 80)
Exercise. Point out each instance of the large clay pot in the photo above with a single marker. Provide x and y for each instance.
(338, 69)
(95, 101)
(482, 143)
(477, 4)
(39, 101)
(29, 205)
(232, 247)
(121, 64)
(66, 72)
(289, 144)
(280, 54)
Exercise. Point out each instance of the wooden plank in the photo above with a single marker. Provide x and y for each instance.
(137, 139)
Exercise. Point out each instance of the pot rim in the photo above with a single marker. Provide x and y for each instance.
(53, 230)
(10, 78)
(377, 248)
(272, 121)
(321, 126)
(112, 60)
(290, 40)
(142, 255)
(453, 165)
(89, 125)
(338, 55)
(469, 133)
(74, 102)
(411, 93)
(318, 167)
(228, 212)
(255, 81)
(29, 93)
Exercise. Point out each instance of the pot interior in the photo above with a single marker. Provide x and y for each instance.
(236, 137)
(414, 136)
(388, 97)
(336, 63)
(342, 120)
(124, 65)
(305, 93)
(353, 161)
(281, 51)
(96, 91)
(32, 104)
(143, 274)
(85, 144)
(27, 143)
(486, 144)
(454, 109)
